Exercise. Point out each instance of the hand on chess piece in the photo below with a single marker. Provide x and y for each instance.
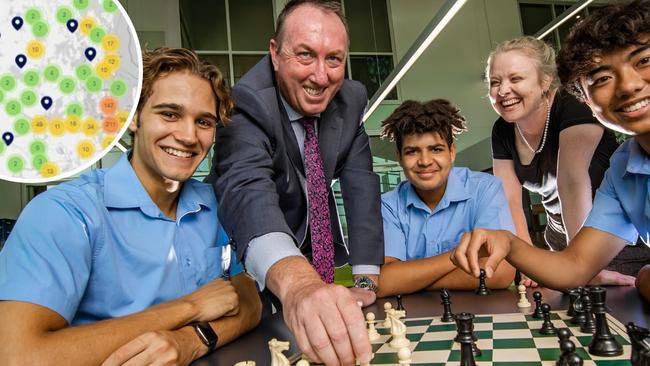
(493, 244)
(328, 325)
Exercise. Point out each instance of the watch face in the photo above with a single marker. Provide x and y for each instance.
(365, 283)
(207, 335)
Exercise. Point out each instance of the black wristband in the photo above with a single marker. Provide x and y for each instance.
(207, 335)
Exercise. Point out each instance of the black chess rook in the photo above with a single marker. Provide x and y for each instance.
(465, 336)
(603, 342)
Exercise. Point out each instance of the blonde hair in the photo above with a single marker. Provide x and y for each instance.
(540, 51)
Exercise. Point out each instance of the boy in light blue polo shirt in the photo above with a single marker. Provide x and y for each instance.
(426, 215)
(605, 61)
(127, 264)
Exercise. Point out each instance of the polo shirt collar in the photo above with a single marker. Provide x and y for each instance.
(455, 191)
(638, 162)
(123, 189)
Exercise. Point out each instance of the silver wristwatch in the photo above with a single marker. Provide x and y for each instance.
(366, 283)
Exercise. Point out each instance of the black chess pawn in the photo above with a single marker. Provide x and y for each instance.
(447, 315)
(482, 288)
(564, 334)
(603, 342)
(574, 294)
(589, 326)
(574, 359)
(537, 296)
(547, 326)
(567, 347)
(465, 327)
(400, 306)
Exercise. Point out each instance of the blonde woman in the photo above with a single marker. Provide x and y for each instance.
(547, 142)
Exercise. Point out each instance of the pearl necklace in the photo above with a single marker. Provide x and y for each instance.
(541, 146)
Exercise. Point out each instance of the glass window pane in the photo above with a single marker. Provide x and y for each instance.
(368, 23)
(534, 17)
(384, 163)
(566, 26)
(203, 24)
(221, 61)
(243, 63)
(251, 24)
(372, 70)
(151, 40)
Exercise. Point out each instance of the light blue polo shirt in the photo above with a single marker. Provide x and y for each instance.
(472, 200)
(98, 247)
(622, 204)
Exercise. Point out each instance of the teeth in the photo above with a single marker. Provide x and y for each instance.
(636, 106)
(314, 92)
(181, 154)
(510, 102)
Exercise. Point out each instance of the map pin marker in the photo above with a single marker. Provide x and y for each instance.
(90, 53)
(72, 25)
(8, 138)
(21, 60)
(46, 102)
(17, 22)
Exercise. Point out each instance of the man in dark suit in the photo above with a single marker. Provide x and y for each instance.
(298, 126)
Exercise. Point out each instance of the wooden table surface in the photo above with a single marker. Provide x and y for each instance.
(624, 303)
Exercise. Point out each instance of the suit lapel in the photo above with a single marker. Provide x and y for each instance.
(290, 139)
(329, 135)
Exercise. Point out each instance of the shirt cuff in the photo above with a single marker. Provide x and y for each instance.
(360, 269)
(264, 251)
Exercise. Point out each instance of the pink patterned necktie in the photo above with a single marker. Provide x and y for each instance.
(322, 242)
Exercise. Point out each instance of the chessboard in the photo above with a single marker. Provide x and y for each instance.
(504, 339)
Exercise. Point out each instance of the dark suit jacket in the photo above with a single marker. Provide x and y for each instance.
(257, 165)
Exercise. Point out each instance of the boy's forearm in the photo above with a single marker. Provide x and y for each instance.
(403, 277)
(250, 311)
(461, 280)
(89, 344)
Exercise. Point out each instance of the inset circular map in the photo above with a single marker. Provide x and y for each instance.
(70, 79)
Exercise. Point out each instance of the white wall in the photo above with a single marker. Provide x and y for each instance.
(452, 67)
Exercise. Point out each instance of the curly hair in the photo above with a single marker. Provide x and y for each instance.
(413, 117)
(538, 50)
(162, 61)
(608, 29)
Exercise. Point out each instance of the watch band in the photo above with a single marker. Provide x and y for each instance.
(207, 335)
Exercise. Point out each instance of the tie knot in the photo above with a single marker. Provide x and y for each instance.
(308, 122)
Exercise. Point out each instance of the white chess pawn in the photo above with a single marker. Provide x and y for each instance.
(373, 334)
(523, 300)
(302, 362)
(387, 308)
(404, 356)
